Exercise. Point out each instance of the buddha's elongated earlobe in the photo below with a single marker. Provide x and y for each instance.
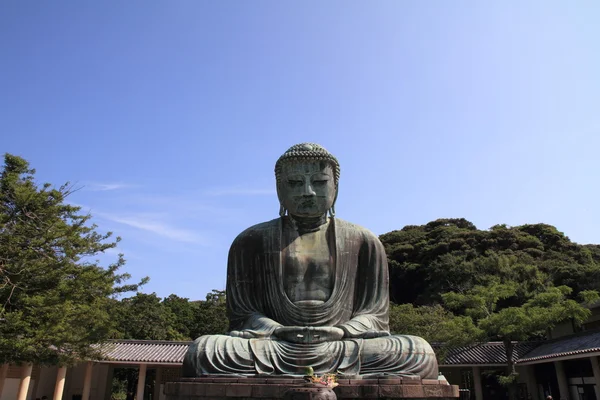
(332, 209)
(282, 210)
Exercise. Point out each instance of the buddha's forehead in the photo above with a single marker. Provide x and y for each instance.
(307, 167)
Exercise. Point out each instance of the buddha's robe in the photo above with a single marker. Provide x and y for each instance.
(257, 302)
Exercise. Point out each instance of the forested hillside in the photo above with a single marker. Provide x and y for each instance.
(453, 255)
(456, 283)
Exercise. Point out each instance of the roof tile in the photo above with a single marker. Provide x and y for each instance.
(149, 351)
(585, 342)
(485, 353)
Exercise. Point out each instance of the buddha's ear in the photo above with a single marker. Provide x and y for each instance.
(332, 211)
(282, 210)
(337, 190)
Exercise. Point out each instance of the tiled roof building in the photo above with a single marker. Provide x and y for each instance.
(167, 352)
(565, 347)
(489, 353)
(145, 351)
(566, 367)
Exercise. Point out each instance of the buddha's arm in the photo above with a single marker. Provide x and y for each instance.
(247, 284)
(362, 327)
(256, 326)
(371, 301)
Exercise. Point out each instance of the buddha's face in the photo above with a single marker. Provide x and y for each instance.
(307, 188)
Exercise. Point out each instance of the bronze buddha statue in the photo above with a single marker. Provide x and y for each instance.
(308, 290)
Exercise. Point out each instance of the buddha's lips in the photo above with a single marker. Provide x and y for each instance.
(308, 203)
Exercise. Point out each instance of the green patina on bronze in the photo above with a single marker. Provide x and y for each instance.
(307, 152)
(308, 290)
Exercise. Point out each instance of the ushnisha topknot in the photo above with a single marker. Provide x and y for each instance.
(307, 152)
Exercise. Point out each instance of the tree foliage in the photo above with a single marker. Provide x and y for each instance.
(211, 317)
(54, 298)
(435, 324)
(452, 255)
(147, 317)
(512, 283)
(184, 315)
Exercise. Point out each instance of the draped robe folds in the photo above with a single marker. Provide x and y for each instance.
(257, 303)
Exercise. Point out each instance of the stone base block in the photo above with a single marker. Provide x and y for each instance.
(234, 388)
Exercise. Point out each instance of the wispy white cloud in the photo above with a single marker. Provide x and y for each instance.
(239, 191)
(104, 187)
(149, 224)
(177, 207)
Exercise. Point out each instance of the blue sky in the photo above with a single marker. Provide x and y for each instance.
(171, 115)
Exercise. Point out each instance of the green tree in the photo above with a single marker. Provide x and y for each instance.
(514, 283)
(453, 255)
(54, 298)
(145, 317)
(435, 324)
(184, 312)
(211, 315)
(535, 314)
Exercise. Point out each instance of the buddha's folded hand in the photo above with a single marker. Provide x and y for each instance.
(322, 334)
(375, 334)
(248, 334)
(308, 334)
(292, 334)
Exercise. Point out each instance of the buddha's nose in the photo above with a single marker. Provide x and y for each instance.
(308, 190)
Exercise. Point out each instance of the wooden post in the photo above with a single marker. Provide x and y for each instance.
(561, 377)
(25, 379)
(108, 383)
(87, 381)
(59, 386)
(596, 369)
(139, 394)
(477, 383)
(158, 379)
(3, 373)
(529, 375)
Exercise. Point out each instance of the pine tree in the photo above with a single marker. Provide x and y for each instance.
(54, 298)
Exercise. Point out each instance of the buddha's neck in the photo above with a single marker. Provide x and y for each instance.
(308, 224)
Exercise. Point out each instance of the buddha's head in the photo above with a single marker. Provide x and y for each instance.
(307, 181)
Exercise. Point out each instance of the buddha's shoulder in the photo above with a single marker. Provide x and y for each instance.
(259, 231)
(351, 228)
(269, 229)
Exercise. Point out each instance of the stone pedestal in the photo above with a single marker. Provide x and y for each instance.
(310, 392)
(234, 388)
